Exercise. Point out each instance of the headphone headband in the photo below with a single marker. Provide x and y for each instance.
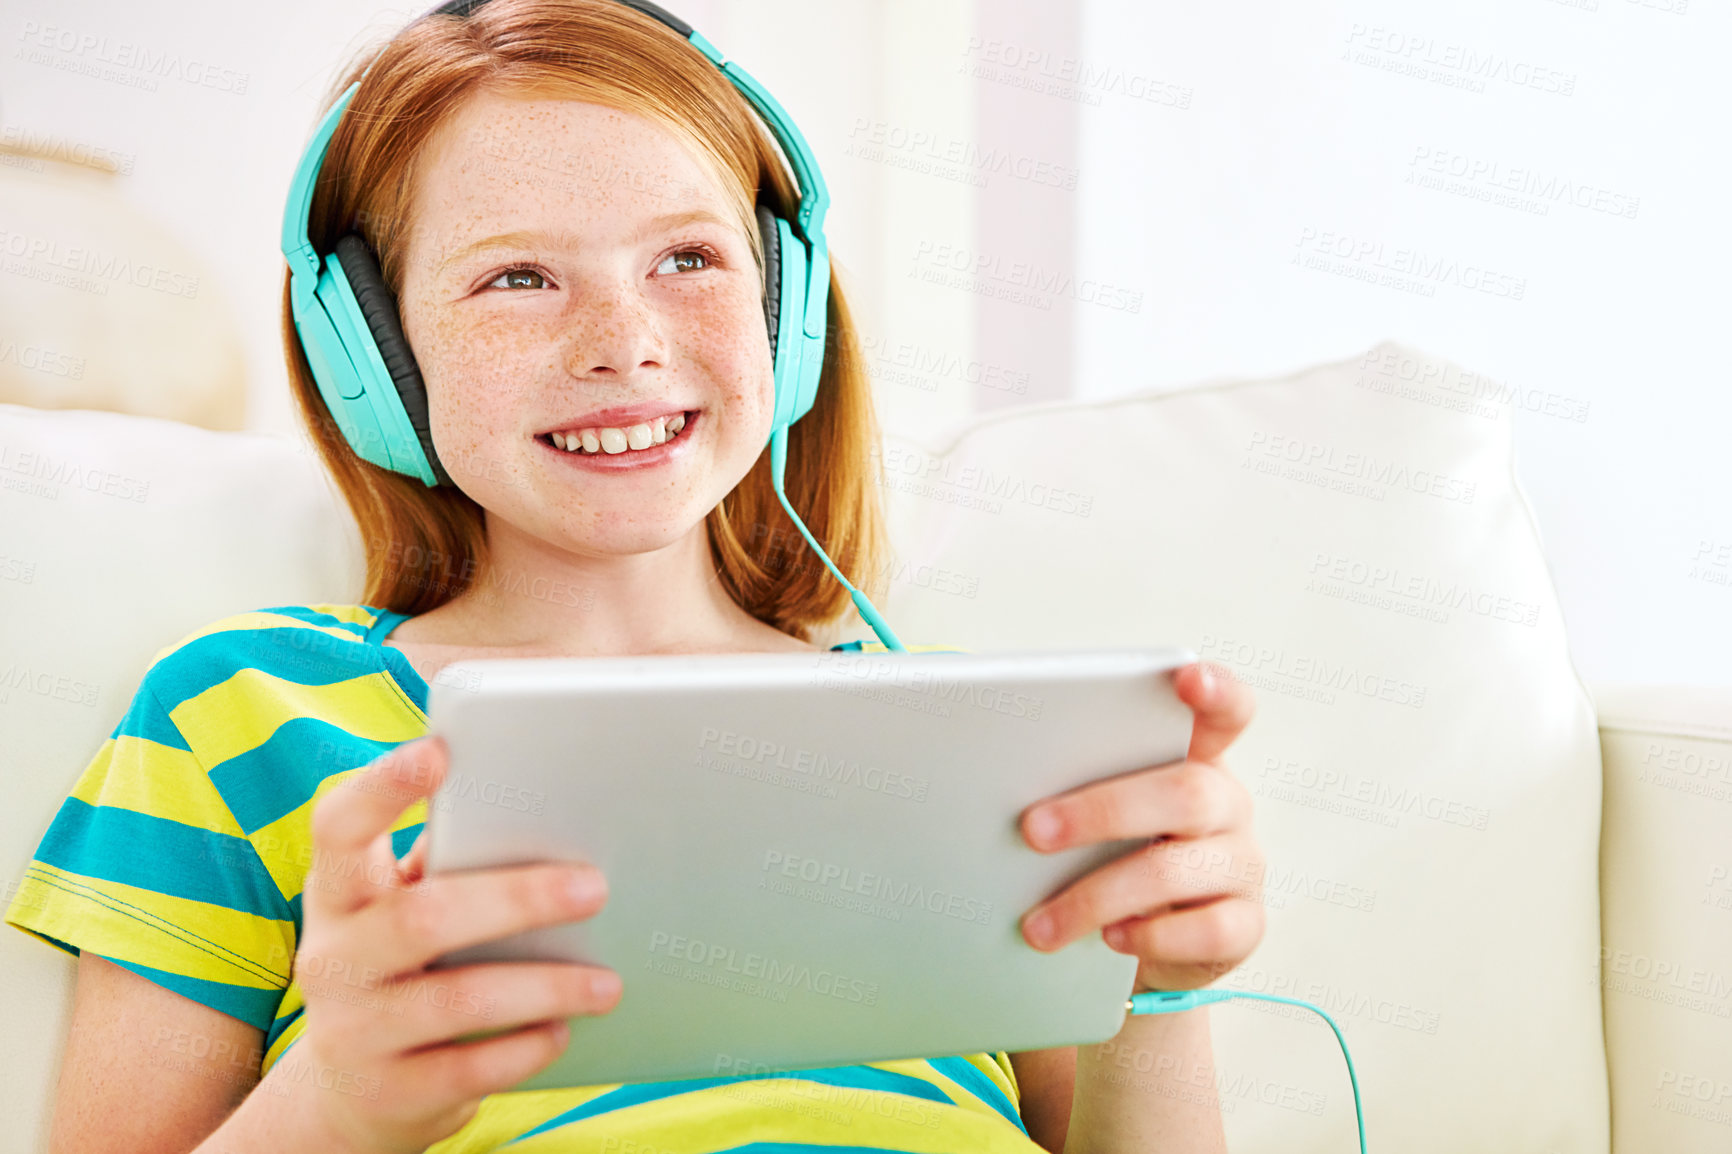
(808, 219)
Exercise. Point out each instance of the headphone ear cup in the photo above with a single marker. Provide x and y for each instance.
(378, 305)
(772, 245)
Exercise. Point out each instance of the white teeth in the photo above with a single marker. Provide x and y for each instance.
(611, 440)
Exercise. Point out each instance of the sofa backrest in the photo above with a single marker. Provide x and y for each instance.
(1665, 962)
(121, 535)
(1354, 544)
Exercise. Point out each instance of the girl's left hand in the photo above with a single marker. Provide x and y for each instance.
(1189, 904)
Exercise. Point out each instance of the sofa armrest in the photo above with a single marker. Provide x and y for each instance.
(1665, 965)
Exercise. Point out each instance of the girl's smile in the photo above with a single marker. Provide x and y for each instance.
(625, 443)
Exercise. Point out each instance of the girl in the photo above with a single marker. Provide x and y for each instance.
(560, 195)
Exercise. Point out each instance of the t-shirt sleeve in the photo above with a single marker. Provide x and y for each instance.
(145, 865)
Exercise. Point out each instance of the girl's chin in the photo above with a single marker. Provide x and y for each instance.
(622, 527)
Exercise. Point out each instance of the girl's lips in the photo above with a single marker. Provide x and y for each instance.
(669, 450)
(618, 417)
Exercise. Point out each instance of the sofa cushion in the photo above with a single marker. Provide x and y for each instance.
(1425, 765)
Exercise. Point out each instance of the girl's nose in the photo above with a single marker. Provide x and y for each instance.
(613, 335)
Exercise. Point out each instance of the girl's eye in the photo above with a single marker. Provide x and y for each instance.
(516, 278)
(702, 254)
(682, 261)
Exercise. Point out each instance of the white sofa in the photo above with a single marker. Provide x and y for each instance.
(1513, 892)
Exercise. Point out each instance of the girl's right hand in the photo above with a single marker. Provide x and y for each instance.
(379, 1024)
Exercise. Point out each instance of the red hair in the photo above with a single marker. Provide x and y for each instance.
(424, 546)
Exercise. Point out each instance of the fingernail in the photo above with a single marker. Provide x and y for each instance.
(1205, 679)
(583, 888)
(1039, 928)
(604, 985)
(1043, 826)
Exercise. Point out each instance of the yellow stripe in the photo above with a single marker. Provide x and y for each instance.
(988, 1065)
(1002, 1060)
(793, 1110)
(193, 938)
(286, 845)
(241, 713)
(288, 1036)
(154, 779)
(502, 1117)
(353, 614)
(253, 620)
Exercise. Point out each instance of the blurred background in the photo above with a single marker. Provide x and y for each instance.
(1035, 202)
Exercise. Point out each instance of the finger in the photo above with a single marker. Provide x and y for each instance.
(1143, 883)
(1203, 940)
(352, 819)
(460, 1071)
(448, 911)
(1186, 799)
(414, 863)
(437, 1006)
(1223, 707)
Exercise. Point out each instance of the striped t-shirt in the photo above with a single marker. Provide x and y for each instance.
(181, 852)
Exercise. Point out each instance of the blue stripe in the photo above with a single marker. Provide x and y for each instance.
(168, 857)
(290, 652)
(279, 1025)
(384, 620)
(398, 665)
(853, 1077)
(412, 682)
(67, 946)
(147, 718)
(967, 1075)
(280, 775)
(323, 620)
(403, 840)
(254, 1007)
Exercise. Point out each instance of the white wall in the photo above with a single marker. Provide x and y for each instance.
(1251, 135)
(1289, 136)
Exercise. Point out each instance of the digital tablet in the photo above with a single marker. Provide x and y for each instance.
(812, 859)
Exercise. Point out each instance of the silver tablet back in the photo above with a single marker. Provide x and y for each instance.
(812, 860)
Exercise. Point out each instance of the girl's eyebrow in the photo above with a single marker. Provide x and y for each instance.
(541, 238)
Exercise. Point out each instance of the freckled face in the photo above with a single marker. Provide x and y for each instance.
(542, 284)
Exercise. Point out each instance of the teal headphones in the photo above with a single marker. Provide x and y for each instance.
(347, 320)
